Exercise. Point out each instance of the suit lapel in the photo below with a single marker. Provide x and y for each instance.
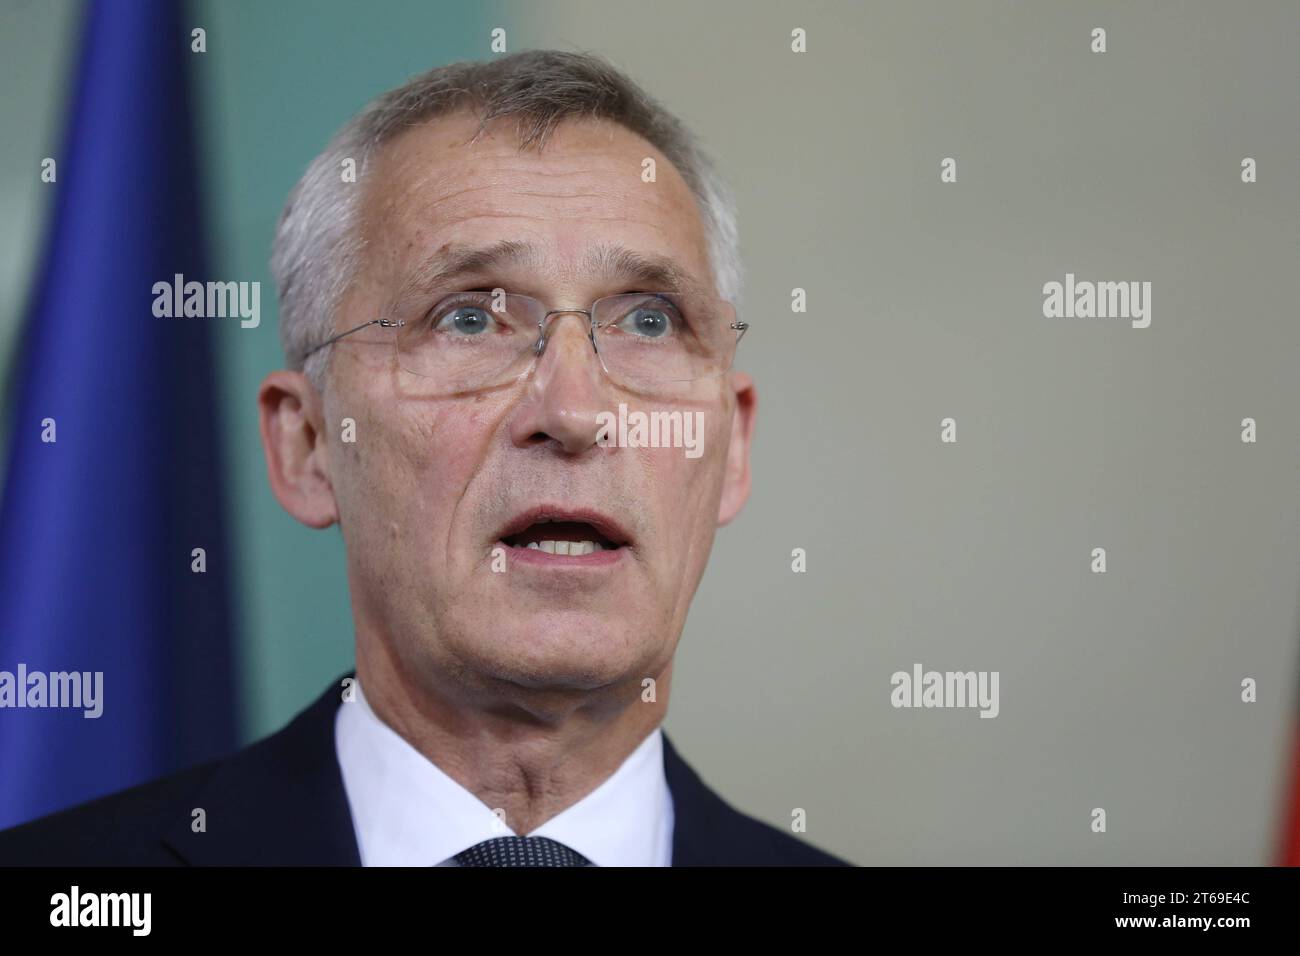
(279, 802)
(704, 826)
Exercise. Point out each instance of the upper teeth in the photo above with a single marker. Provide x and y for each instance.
(567, 547)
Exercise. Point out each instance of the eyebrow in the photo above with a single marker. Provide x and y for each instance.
(656, 273)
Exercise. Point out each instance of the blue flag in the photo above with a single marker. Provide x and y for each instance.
(113, 550)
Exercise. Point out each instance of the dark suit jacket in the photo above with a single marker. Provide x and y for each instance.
(281, 802)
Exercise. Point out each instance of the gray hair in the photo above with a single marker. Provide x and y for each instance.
(317, 246)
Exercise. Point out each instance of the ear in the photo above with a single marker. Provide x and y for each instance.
(293, 440)
(735, 486)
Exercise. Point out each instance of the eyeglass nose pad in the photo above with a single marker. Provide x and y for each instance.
(543, 338)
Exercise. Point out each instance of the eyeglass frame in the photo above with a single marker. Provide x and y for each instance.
(540, 345)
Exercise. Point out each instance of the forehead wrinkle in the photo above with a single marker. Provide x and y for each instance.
(511, 164)
(460, 206)
(655, 272)
(453, 201)
(405, 214)
(403, 196)
(506, 170)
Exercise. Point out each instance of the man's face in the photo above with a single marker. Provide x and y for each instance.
(432, 484)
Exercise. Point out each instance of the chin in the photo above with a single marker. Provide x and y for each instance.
(562, 650)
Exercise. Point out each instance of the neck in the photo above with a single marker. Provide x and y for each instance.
(529, 753)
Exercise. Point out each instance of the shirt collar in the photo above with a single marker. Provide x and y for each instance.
(407, 812)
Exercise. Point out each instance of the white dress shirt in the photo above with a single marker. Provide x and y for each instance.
(407, 812)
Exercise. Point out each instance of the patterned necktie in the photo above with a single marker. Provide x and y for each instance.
(521, 851)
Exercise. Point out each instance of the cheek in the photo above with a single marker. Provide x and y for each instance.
(410, 476)
(686, 483)
(709, 470)
(369, 475)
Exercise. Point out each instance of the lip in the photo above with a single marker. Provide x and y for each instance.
(535, 558)
(607, 526)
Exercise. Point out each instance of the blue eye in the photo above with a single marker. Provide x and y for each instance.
(466, 321)
(647, 322)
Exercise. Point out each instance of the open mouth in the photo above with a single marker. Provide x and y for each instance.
(564, 533)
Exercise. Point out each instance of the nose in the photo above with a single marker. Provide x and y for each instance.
(540, 347)
(567, 390)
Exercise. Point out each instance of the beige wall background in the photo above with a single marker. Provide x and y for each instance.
(1120, 690)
